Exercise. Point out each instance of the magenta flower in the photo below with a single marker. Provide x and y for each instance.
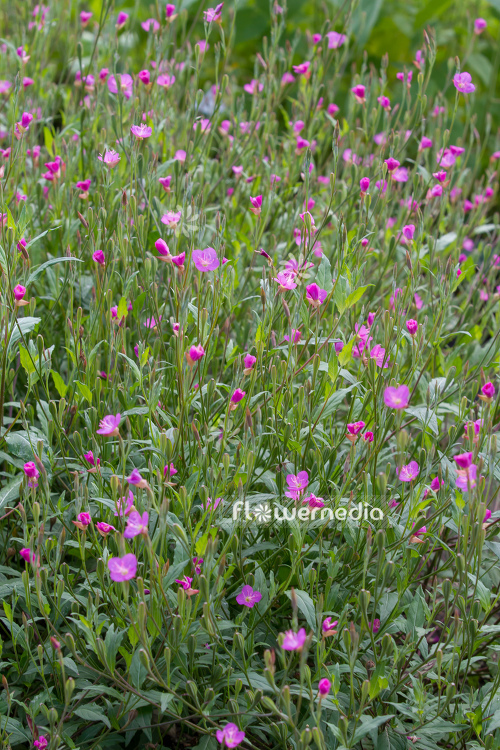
(110, 158)
(286, 280)
(89, 457)
(479, 25)
(104, 528)
(397, 397)
(412, 326)
(122, 568)
(169, 471)
(368, 437)
(374, 626)
(237, 396)
(165, 81)
(296, 335)
(313, 501)
(463, 83)
(162, 248)
(297, 484)
(125, 505)
(463, 460)
(315, 296)
(335, 40)
(256, 205)
(302, 68)
(170, 12)
(151, 25)
(254, 87)
(32, 473)
(324, 686)
(144, 77)
(99, 257)
(248, 597)
(359, 93)
(136, 524)
(42, 742)
(171, 218)
(205, 260)
(134, 478)
(392, 164)
(488, 389)
(185, 582)
(294, 641)
(230, 735)
(165, 182)
(85, 17)
(409, 231)
(466, 477)
(353, 428)
(409, 472)
(195, 353)
(328, 626)
(364, 184)
(19, 291)
(248, 363)
(121, 19)
(211, 504)
(384, 102)
(109, 425)
(141, 131)
(84, 518)
(213, 14)
(27, 554)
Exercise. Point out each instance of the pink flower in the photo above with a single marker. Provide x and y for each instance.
(392, 164)
(374, 626)
(121, 19)
(230, 735)
(136, 524)
(314, 295)
(212, 504)
(296, 335)
(466, 477)
(195, 353)
(248, 363)
(412, 326)
(353, 428)
(254, 87)
(125, 505)
(180, 155)
(31, 471)
(122, 568)
(324, 686)
(19, 291)
(104, 528)
(185, 582)
(165, 183)
(425, 143)
(368, 437)
(83, 520)
(463, 83)
(42, 742)
(359, 93)
(205, 260)
(162, 248)
(384, 102)
(302, 68)
(286, 280)
(89, 457)
(479, 25)
(294, 641)
(328, 626)
(409, 472)
(436, 484)
(418, 301)
(27, 554)
(126, 83)
(213, 14)
(99, 257)
(85, 17)
(397, 398)
(335, 40)
(170, 12)
(144, 77)
(287, 78)
(165, 80)
(409, 231)
(296, 484)
(248, 597)
(313, 501)
(237, 396)
(463, 460)
(488, 390)
(364, 184)
(141, 131)
(256, 206)
(110, 158)
(151, 25)
(109, 425)
(171, 218)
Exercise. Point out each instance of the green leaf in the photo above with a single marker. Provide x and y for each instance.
(341, 293)
(34, 274)
(306, 606)
(21, 327)
(10, 492)
(48, 140)
(346, 353)
(122, 311)
(432, 9)
(137, 671)
(26, 360)
(355, 296)
(85, 391)
(324, 276)
(10, 220)
(368, 724)
(59, 383)
(112, 643)
(92, 714)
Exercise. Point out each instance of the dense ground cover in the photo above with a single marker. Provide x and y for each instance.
(248, 387)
